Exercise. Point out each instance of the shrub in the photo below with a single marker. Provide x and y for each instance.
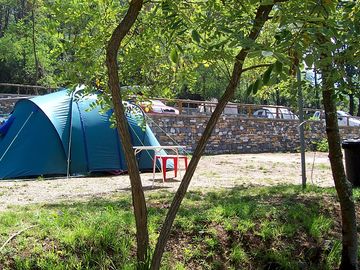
(322, 146)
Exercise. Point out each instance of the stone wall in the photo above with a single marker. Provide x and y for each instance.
(234, 134)
(6, 106)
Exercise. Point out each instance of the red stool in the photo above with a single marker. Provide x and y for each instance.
(163, 161)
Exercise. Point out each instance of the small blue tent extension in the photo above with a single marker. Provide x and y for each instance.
(57, 134)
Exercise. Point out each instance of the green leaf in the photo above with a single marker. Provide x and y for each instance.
(176, 25)
(309, 60)
(180, 48)
(249, 90)
(233, 44)
(267, 74)
(257, 86)
(278, 66)
(165, 6)
(281, 57)
(174, 56)
(195, 36)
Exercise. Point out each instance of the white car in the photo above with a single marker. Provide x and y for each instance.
(270, 112)
(344, 118)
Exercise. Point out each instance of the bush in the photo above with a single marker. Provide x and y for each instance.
(322, 146)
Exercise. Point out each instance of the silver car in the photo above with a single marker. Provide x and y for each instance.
(344, 118)
(275, 112)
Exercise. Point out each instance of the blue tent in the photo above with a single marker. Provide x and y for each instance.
(57, 134)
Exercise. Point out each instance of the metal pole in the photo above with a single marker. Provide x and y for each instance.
(70, 135)
(301, 128)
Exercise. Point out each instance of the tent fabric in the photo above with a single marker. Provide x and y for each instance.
(6, 125)
(51, 131)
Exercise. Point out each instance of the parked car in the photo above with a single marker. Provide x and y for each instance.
(208, 107)
(344, 118)
(157, 106)
(270, 112)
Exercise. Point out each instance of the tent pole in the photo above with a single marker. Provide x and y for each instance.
(17, 134)
(70, 136)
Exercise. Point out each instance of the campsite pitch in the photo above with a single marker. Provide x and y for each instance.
(220, 171)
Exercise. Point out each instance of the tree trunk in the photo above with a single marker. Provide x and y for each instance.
(34, 44)
(2, 11)
(261, 17)
(317, 97)
(351, 104)
(277, 95)
(358, 112)
(352, 90)
(137, 192)
(342, 185)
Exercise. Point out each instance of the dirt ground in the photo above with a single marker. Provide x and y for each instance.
(220, 171)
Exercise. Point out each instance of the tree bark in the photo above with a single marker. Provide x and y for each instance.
(137, 192)
(261, 17)
(342, 185)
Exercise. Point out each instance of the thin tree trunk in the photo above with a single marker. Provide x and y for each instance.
(6, 21)
(261, 17)
(34, 44)
(342, 185)
(2, 11)
(137, 192)
(351, 104)
(317, 97)
(277, 95)
(352, 89)
(203, 76)
(358, 112)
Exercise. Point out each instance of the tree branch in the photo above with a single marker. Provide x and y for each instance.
(254, 67)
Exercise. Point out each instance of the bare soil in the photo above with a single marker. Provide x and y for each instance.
(219, 171)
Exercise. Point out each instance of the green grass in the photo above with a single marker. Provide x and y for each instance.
(257, 227)
(321, 166)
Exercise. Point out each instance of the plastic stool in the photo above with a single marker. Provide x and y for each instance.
(163, 161)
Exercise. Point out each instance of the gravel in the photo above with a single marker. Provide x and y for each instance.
(219, 171)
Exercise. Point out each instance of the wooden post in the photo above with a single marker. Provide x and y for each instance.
(249, 110)
(180, 106)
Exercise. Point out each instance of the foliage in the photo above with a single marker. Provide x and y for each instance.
(322, 146)
(174, 47)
